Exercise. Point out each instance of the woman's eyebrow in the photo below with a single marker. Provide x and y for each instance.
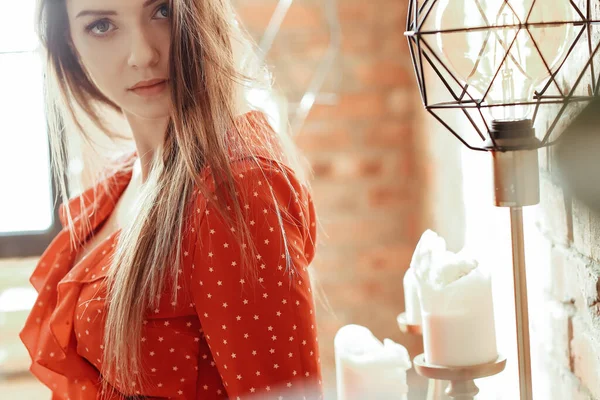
(83, 13)
(148, 3)
(95, 13)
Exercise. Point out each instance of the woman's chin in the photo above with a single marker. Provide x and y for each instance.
(149, 111)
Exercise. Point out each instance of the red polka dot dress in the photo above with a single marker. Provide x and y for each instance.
(228, 334)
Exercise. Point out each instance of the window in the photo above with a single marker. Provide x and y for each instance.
(28, 211)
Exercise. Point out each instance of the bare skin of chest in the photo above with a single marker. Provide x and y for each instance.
(115, 221)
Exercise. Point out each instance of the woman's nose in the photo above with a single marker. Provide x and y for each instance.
(144, 52)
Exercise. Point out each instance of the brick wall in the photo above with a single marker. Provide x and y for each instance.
(567, 326)
(368, 184)
(563, 270)
(564, 258)
(370, 175)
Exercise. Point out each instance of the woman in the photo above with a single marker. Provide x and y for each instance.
(182, 274)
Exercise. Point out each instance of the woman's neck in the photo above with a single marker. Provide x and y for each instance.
(149, 136)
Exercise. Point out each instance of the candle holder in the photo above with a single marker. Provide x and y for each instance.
(405, 327)
(516, 72)
(435, 387)
(461, 379)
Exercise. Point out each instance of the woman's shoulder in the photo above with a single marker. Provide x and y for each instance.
(255, 145)
(260, 185)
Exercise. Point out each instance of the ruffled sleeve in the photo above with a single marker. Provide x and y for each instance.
(262, 334)
(48, 332)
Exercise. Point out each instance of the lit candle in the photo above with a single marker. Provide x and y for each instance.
(412, 303)
(456, 305)
(367, 368)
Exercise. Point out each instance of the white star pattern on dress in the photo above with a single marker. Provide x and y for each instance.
(188, 342)
(273, 283)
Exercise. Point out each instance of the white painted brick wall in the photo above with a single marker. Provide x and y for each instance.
(585, 350)
(564, 305)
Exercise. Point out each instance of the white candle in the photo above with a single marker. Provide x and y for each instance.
(456, 305)
(461, 333)
(367, 368)
(412, 303)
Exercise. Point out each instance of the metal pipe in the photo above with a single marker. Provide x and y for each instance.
(521, 304)
(516, 185)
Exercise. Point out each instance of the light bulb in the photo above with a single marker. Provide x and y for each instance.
(483, 56)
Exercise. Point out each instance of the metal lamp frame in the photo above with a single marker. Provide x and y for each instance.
(515, 157)
(422, 53)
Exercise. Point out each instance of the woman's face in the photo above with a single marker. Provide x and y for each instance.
(124, 47)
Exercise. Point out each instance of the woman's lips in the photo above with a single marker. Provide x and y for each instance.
(151, 90)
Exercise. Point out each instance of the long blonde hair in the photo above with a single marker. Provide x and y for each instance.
(212, 64)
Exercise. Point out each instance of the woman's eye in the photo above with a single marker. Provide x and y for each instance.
(100, 28)
(162, 12)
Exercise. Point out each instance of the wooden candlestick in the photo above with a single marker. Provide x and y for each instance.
(462, 385)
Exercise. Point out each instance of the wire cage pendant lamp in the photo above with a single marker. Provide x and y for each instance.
(503, 61)
(506, 77)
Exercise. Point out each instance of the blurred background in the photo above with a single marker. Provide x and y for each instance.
(384, 172)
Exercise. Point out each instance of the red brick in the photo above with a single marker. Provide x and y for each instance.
(383, 73)
(393, 14)
(352, 106)
(388, 134)
(331, 264)
(406, 167)
(401, 102)
(357, 13)
(349, 165)
(337, 139)
(303, 16)
(300, 15)
(337, 198)
(362, 231)
(322, 168)
(359, 42)
(394, 44)
(311, 45)
(255, 15)
(387, 196)
(370, 168)
(341, 297)
(390, 258)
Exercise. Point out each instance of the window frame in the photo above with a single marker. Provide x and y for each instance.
(33, 244)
